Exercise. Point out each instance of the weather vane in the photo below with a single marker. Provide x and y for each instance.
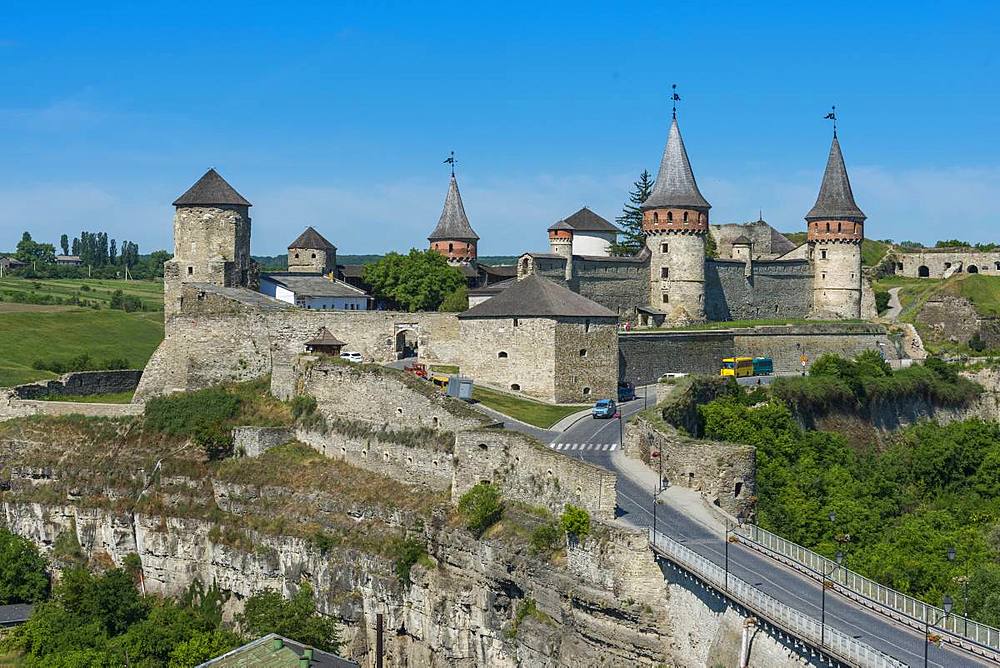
(675, 98)
(450, 160)
(832, 116)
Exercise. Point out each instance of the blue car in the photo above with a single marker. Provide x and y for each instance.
(626, 391)
(605, 408)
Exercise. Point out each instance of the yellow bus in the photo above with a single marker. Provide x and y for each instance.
(737, 366)
(440, 381)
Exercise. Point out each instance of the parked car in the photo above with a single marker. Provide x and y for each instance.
(417, 369)
(605, 408)
(352, 357)
(626, 391)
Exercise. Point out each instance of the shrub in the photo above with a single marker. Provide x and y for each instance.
(881, 301)
(191, 413)
(408, 552)
(215, 442)
(976, 343)
(22, 570)
(545, 538)
(575, 521)
(303, 405)
(481, 507)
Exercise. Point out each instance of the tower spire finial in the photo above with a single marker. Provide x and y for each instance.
(675, 98)
(833, 117)
(450, 160)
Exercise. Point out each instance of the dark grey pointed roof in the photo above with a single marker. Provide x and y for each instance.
(584, 220)
(675, 185)
(836, 200)
(742, 240)
(312, 239)
(209, 190)
(537, 297)
(453, 224)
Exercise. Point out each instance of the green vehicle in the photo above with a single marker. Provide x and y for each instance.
(763, 366)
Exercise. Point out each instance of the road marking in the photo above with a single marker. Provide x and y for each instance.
(614, 446)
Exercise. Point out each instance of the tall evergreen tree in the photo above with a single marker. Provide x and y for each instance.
(64, 244)
(76, 246)
(632, 238)
(113, 252)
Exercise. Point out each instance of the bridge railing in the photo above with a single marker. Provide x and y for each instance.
(970, 634)
(796, 623)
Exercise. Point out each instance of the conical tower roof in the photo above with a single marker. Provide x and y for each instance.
(675, 186)
(312, 239)
(836, 200)
(453, 223)
(211, 189)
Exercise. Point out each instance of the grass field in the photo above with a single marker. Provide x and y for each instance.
(99, 291)
(533, 412)
(110, 398)
(102, 334)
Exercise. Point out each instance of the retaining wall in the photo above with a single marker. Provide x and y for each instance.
(82, 383)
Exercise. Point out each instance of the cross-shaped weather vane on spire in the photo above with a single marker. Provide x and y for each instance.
(832, 116)
(450, 160)
(675, 98)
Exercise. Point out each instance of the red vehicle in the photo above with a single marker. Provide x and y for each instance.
(417, 369)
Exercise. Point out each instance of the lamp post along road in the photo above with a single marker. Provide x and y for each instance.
(730, 537)
(822, 618)
(946, 604)
(965, 591)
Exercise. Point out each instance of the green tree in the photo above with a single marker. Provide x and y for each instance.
(201, 647)
(456, 301)
(632, 238)
(419, 281)
(575, 521)
(481, 507)
(64, 244)
(269, 612)
(30, 251)
(22, 570)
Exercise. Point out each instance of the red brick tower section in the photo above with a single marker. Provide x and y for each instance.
(454, 237)
(835, 231)
(675, 219)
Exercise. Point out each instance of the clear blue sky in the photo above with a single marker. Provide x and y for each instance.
(340, 117)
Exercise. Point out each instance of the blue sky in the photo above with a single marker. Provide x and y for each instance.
(339, 116)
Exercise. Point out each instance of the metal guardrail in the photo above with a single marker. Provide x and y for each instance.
(969, 634)
(808, 629)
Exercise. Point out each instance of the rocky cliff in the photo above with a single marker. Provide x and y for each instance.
(293, 515)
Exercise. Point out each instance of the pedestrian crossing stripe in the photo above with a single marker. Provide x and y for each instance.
(584, 446)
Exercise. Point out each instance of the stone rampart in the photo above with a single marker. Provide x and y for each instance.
(378, 395)
(226, 334)
(12, 407)
(645, 356)
(724, 473)
(81, 383)
(527, 471)
(255, 441)
(935, 263)
(773, 289)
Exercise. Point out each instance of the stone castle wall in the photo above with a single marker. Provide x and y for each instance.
(774, 289)
(527, 471)
(620, 286)
(938, 262)
(677, 276)
(249, 441)
(517, 358)
(312, 260)
(586, 360)
(81, 383)
(836, 279)
(724, 473)
(644, 357)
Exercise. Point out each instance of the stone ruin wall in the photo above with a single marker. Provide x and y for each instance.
(724, 473)
(936, 261)
(27, 399)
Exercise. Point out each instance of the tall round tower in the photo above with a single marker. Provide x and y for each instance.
(675, 220)
(835, 230)
(454, 237)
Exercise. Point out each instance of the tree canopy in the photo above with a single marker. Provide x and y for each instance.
(632, 238)
(22, 570)
(418, 281)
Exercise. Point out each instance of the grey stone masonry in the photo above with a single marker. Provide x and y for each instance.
(255, 441)
(81, 383)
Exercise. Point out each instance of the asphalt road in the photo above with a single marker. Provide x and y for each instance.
(784, 584)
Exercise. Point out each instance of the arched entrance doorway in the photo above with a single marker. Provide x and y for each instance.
(407, 343)
(973, 269)
(923, 271)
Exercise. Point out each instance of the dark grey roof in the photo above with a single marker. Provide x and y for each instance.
(547, 256)
(468, 270)
(211, 189)
(675, 185)
(835, 200)
(313, 240)
(313, 285)
(742, 239)
(352, 270)
(498, 269)
(453, 223)
(16, 613)
(537, 297)
(585, 220)
(493, 288)
(780, 244)
(325, 338)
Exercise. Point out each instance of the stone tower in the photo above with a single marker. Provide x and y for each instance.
(835, 231)
(561, 243)
(211, 240)
(312, 254)
(675, 219)
(454, 237)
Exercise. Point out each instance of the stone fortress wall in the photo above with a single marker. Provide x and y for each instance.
(29, 399)
(935, 263)
(645, 356)
(771, 289)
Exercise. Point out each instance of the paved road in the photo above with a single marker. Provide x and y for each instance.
(895, 306)
(597, 441)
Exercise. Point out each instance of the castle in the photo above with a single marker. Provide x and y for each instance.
(759, 275)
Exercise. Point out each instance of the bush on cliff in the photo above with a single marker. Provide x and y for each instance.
(481, 507)
(190, 413)
(575, 521)
(269, 612)
(22, 570)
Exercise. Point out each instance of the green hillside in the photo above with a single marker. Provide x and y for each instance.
(84, 292)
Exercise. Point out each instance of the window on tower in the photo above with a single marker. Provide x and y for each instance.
(822, 253)
(664, 272)
(656, 218)
(670, 216)
(685, 216)
(664, 248)
(451, 247)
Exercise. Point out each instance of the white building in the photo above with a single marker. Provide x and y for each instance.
(314, 291)
(591, 234)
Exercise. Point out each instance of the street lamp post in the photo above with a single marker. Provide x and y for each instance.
(965, 592)
(658, 487)
(822, 618)
(946, 604)
(730, 529)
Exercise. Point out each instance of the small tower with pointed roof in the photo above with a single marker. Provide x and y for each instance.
(311, 253)
(835, 230)
(211, 240)
(675, 219)
(454, 237)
